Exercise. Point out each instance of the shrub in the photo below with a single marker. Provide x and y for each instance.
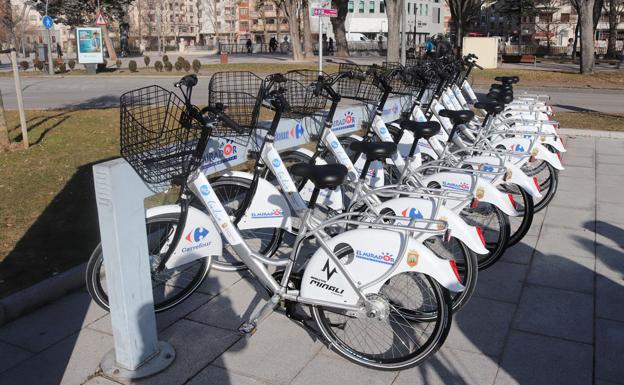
(146, 60)
(178, 66)
(132, 65)
(24, 64)
(158, 65)
(166, 59)
(196, 65)
(118, 63)
(168, 66)
(181, 59)
(72, 64)
(38, 64)
(187, 66)
(62, 68)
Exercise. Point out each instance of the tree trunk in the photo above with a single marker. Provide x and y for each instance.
(291, 8)
(613, 22)
(308, 47)
(5, 143)
(393, 11)
(338, 25)
(460, 35)
(587, 37)
(576, 36)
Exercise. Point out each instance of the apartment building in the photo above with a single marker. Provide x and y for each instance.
(491, 22)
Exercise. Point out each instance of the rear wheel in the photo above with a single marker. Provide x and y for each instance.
(393, 338)
(520, 225)
(495, 229)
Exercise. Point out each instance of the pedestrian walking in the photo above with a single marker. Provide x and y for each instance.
(330, 46)
(248, 44)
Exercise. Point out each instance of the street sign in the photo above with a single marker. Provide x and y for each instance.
(100, 20)
(47, 22)
(324, 12)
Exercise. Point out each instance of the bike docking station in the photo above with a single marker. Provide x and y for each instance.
(120, 195)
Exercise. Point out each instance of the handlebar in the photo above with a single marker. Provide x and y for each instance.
(220, 115)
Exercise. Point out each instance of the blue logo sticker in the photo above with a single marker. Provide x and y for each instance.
(335, 144)
(412, 213)
(197, 235)
(487, 168)
(276, 162)
(205, 191)
(382, 130)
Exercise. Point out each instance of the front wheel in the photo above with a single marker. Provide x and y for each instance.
(495, 229)
(391, 339)
(170, 286)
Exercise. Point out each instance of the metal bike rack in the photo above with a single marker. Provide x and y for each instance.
(120, 195)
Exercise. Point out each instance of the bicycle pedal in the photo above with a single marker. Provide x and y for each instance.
(248, 329)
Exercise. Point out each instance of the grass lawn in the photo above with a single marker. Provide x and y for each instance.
(48, 216)
(528, 78)
(591, 120)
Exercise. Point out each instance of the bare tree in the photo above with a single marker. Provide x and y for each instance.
(393, 12)
(338, 25)
(462, 13)
(548, 23)
(308, 47)
(615, 10)
(291, 9)
(585, 9)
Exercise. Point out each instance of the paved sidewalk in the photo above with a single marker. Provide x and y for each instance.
(550, 312)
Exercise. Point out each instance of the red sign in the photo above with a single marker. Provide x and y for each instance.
(100, 20)
(324, 12)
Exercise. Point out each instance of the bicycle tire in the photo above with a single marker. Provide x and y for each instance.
(548, 188)
(526, 208)
(496, 246)
(94, 272)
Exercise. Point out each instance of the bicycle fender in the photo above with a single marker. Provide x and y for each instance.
(200, 238)
(415, 208)
(541, 152)
(372, 252)
(327, 197)
(481, 189)
(268, 207)
(518, 177)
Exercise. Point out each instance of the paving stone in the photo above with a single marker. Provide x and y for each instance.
(521, 252)
(70, 362)
(570, 218)
(609, 350)
(608, 188)
(610, 262)
(585, 174)
(610, 298)
(503, 281)
(163, 319)
(196, 345)
(232, 307)
(557, 313)
(609, 212)
(609, 159)
(562, 272)
(50, 324)
(609, 169)
(11, 355)
(481, 326)
(560, 241)
(568, 182)
(610, 234)
(100, 381)
(601, 382)
(332, 369)
(574, 199)
(214, 375)
(579, 161)
(450, 366)
(218, 281)
(532, 359)
(277, 351)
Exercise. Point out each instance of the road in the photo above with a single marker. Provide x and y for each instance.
(87, 92)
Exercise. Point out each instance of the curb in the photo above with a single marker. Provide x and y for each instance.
(591, 133)
(32, 298)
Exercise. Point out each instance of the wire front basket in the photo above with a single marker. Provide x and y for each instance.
(367, 90)
(300, 93)
(158, 134)
(239, 95)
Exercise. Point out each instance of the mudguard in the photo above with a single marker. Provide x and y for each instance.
(411, 208)
(547, 128)
(268, 207)
(374, 252)
(200, 238)
(327, 197)
(480, 188)
(541, 152)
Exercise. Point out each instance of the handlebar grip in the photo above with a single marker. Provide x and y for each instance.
(478, 66)
(189, 81)
(217, 111)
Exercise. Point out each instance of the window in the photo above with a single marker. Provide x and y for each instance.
(244, 11)
(436, 15)
(382, 7)
(361, 6)
(350, 6)
(371, 7)
(426, 9)
(565, 17)
(419, 9)
(409, 8)
(244, 26)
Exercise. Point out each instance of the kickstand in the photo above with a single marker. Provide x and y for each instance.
(301, 319)
(250, 327)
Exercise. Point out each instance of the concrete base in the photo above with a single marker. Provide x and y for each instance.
(156, 364)
(91, 69)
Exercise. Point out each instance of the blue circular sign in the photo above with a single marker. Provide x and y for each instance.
(47, 22)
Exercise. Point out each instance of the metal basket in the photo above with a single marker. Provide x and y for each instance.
(239, 95)
(368, 90)
(158, 134)
(300, 87)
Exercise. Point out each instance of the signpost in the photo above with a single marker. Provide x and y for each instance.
(100, 21)
(48, 23)
(320, 13)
